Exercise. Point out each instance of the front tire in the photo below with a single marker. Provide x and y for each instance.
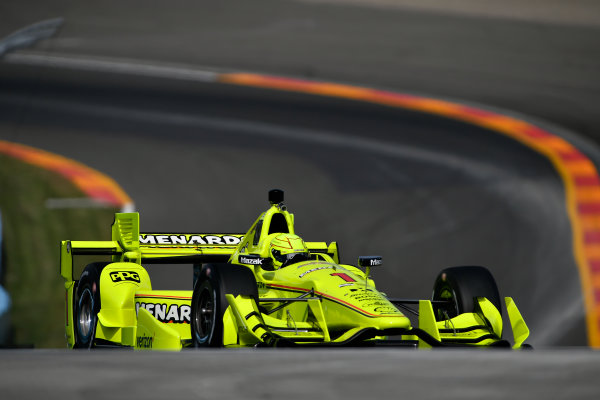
(209, 302)
(460, 286)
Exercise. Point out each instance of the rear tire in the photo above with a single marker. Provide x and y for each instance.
(209, 303)
(87, 305)
(460, 286)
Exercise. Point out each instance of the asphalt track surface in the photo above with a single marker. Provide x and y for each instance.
(200, 157)
(278, 374)
(542, 62)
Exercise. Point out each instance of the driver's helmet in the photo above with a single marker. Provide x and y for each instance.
(287, 249)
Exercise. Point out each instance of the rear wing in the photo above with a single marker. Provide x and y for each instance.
(127, 244)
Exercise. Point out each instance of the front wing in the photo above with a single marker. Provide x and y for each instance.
(245, 325)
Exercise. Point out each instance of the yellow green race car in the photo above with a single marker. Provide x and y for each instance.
(267, 287)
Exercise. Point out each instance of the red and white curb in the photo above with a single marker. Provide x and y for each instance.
(102, 189)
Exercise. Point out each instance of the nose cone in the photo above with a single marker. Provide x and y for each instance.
(398, 322)
(350, 301)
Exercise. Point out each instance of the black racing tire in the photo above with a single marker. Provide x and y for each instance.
(460, 286)
(87, 305)
(209, 303)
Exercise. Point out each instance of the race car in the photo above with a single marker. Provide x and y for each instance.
(267, 287)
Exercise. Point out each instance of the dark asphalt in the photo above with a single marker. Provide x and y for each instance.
(275, 374)
(543, 69)
(424, 192)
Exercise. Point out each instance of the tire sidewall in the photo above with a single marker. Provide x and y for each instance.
(88, 285)
(222, 279)
(210, 340)
(465, 284)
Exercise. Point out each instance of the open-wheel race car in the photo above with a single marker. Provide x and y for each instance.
(267, 287)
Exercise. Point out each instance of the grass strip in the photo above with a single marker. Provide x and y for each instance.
(32, 233)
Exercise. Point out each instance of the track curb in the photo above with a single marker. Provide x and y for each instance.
(94, 184)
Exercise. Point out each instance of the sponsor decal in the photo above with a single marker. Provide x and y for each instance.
(313, 270)
(252, 260)
(309, 263)
(386, 310)
(345, 277)
(124, 276)
(370, 261)
(174, 240)
(145, 342)
(174, 313)
(350, 303)
(371, 299)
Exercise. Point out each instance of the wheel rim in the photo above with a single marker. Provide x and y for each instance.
(204, 316)
(86, 319)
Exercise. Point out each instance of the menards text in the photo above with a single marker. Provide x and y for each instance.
(179, 314)
(223, 240)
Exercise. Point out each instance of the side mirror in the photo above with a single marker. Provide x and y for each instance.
(256, 260)
(367, 262)
(370, 261)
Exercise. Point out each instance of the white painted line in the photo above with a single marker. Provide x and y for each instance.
(84, 202)
(114, 66)
(30, 35)
(78, 202)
